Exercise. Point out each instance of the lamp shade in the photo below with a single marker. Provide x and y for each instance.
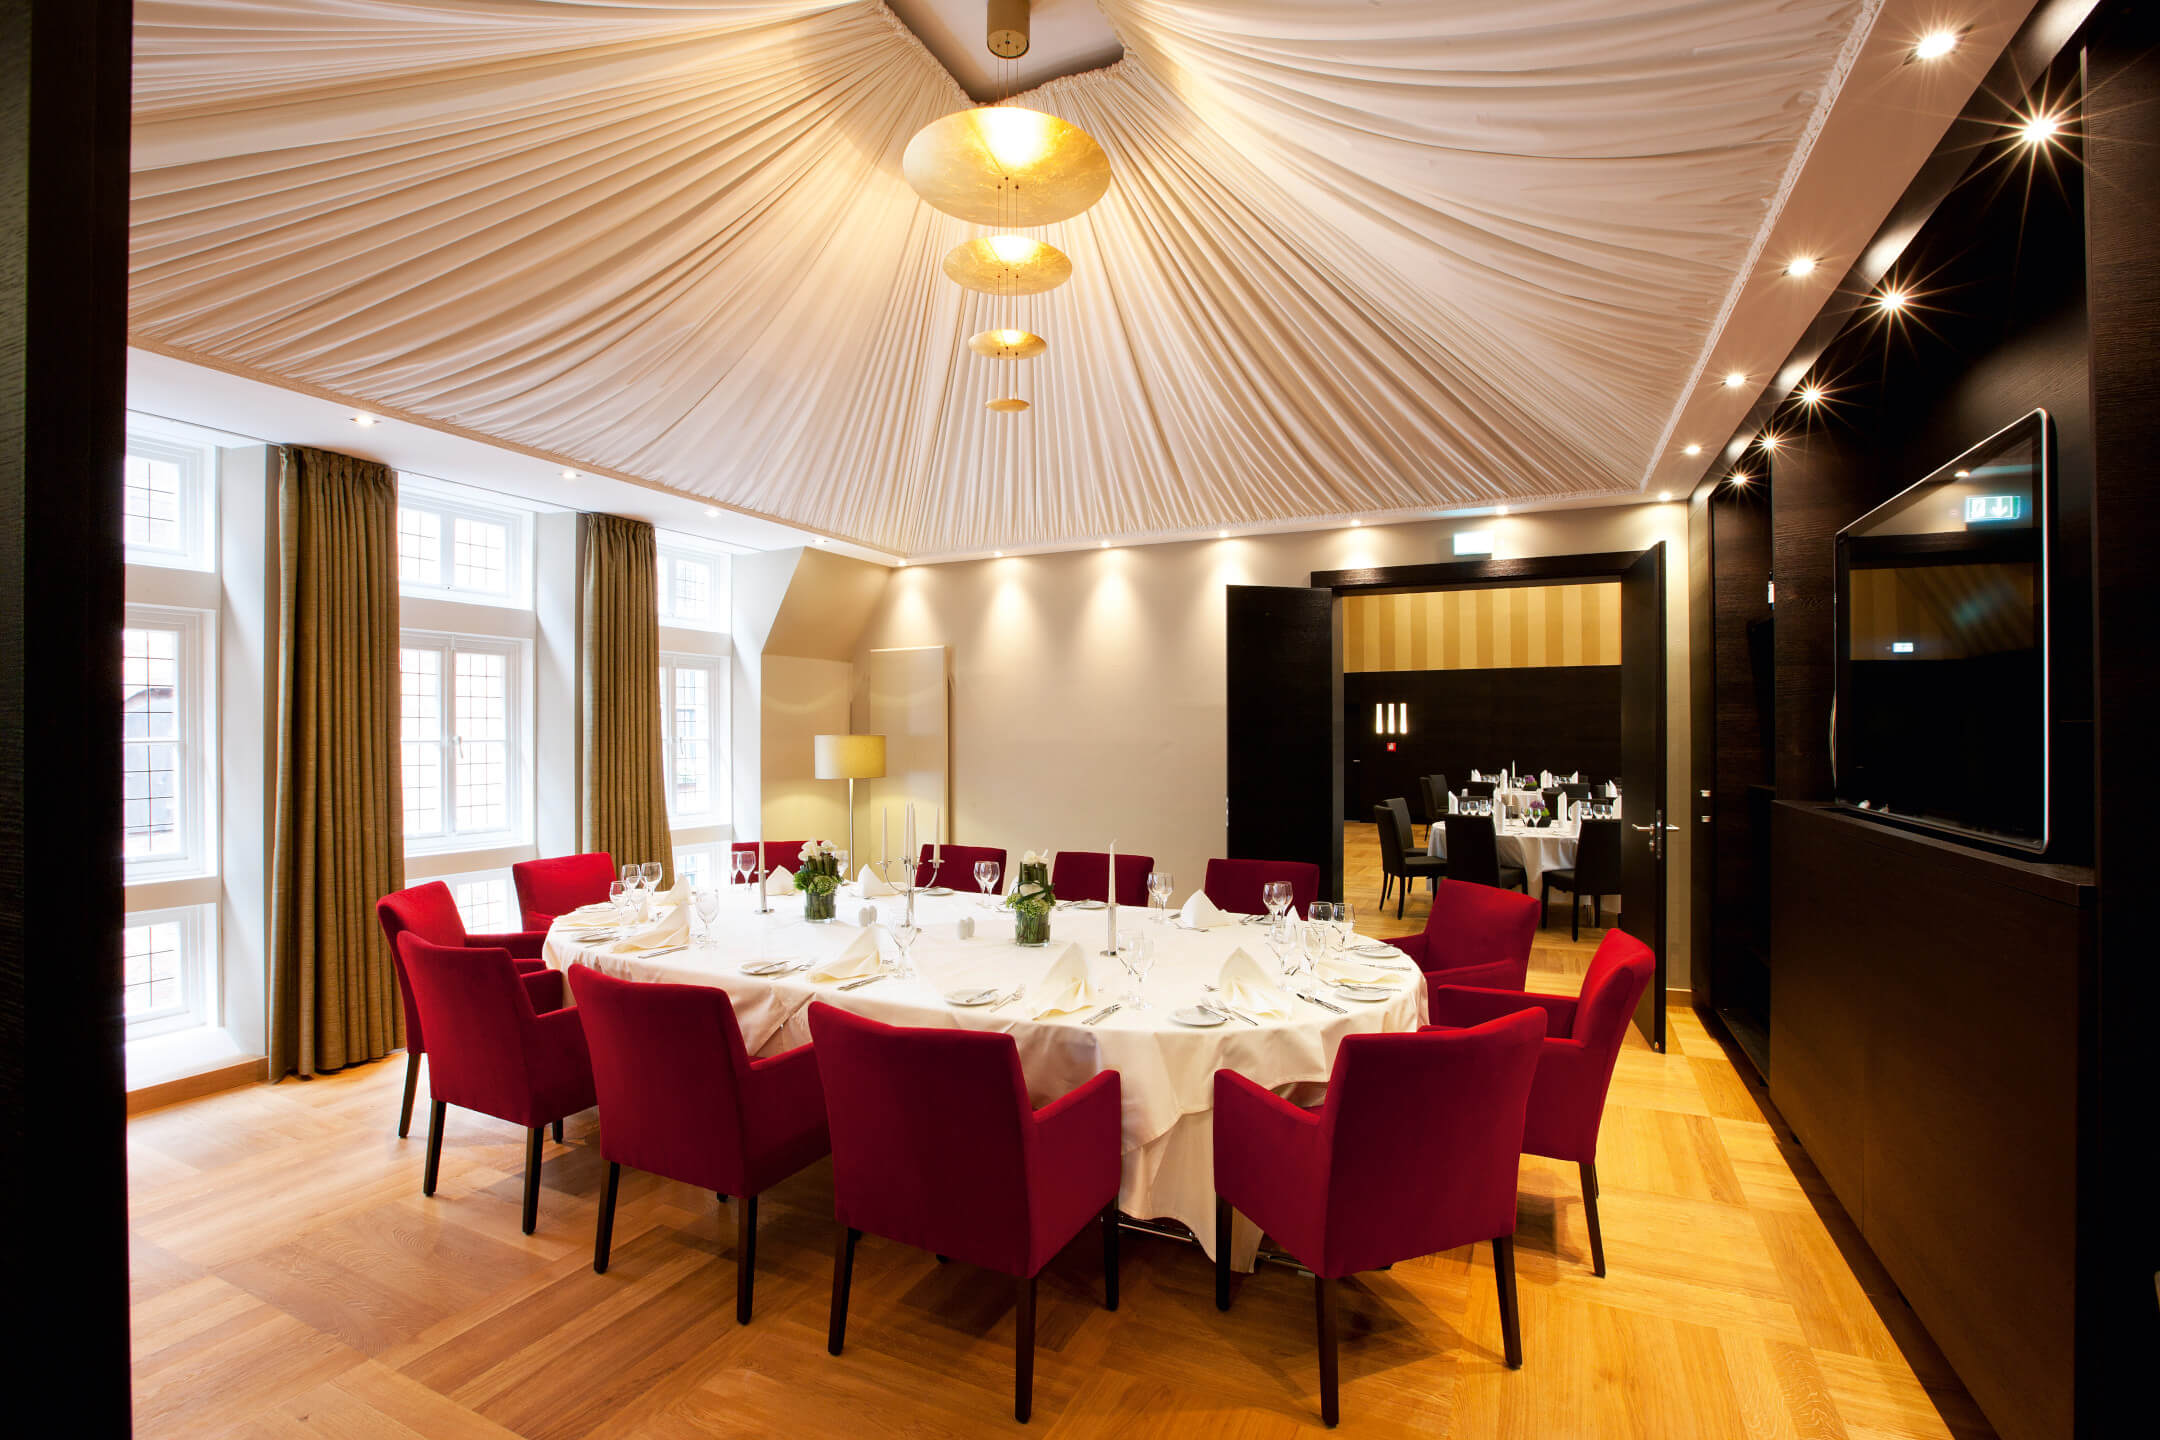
(850, 757)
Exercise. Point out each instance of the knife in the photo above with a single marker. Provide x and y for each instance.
(1103, 1014)
(1307, 995)
(858, 984)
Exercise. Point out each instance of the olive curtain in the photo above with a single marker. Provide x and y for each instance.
(625, 809)
(339, 820)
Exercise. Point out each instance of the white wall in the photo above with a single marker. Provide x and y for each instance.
(1088, 686)
(802, 699)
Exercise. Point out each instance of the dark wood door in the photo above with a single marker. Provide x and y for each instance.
(1284, 699)
(1642, 773)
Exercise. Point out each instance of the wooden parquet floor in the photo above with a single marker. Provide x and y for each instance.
(289, 1280)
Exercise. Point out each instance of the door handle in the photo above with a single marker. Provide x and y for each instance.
(1646, 827)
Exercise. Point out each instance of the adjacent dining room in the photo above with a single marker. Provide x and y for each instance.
(1200, 718)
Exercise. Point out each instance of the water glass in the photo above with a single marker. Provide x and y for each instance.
(745, 864)
(904, 937)
(707, 903)
(1276, 896)
(986, 877)
(1136, 952)
(615, 896)
(1346, 924)
(1159, 885)
(650, 873)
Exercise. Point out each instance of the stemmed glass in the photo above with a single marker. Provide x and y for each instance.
(1276, 896)
(617, 893)
(986, 877)
(904, 937)
(1345, 924)
(650, 873)
(1159, 885)
(1136, 952)
(708, 910)
(1319, 925)
(745, 866)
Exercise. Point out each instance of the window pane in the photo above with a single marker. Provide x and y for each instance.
(694, 866)
(484, 904)
(150, 742)
(420, 684)
(693, 590)
(693, 740)
(480, 556)
(150, 970)
(483, 742)
(151, 504)
(419, 546)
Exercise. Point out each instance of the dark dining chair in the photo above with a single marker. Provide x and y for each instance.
(1416, 1150)
(560, 884)
(1577, 790)
(1237, 885)
(1575, 1064)
(504, 1045)
(1433, 790)
(1595, 873)
(1473, 854)
(956, 866)
(1475, 935)
(778, 853)
(935, 1144)
(430, 912)
(680, 1096)
(1085, 875)
(1396, 866)
(1480, 789)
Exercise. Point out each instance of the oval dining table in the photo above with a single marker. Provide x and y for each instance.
(1167, 1069)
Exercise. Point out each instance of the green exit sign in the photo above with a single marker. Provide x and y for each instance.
(1993, 509)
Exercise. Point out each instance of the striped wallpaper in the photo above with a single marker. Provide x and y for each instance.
(1519, 627)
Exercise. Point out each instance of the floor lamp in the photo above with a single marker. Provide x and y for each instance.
(851, 758)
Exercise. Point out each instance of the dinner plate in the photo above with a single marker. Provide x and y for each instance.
(1385, 951)
(767, 967)
(1088, 905)
(938, 890)
(1364, 992)
(971, 998)
(1194, 1016)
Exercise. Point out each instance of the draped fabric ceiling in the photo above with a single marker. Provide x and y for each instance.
(1355, 259)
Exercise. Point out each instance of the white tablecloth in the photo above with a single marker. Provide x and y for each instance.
(1167, 1071)
(1536, 849)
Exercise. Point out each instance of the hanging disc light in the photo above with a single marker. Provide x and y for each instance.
(1006, 403)
(1005, 165)
(1007, 344)
(1007, 265)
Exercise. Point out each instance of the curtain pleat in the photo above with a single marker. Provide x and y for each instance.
(339, 819)
(625, 806)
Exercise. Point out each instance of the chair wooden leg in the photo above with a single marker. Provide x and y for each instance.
(604, 1233)
(1324, 1318)
(843, 1273)
(434, 1147)
(412, 1088)
(745, 1256)
(558, 1129)
(532, 1177)
(1024, 1349)
(1503, 1264)
(1589, 1200)
(1110, 1255)
(1222, 1253)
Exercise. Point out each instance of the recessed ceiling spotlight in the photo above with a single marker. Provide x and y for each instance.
(1104, 545)
(2039, 129)
(363, 421)
(1735, 380)
(1499, 510)
(1935, 44)
(1664, 494)
(1691, 450)
(1800, 265)
(1222, 534)
(713, 510)
(1355, 523)
(1737, 478)
(1891, 301)
(1768, 442)
(1962, 475)
(997, 554)
(569, 474)
(1811, 395)
(817, 539)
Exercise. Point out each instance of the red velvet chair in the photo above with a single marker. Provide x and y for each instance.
(1235, 885)
(430, 911)
(936, 1145)
(777, 853)
(548, 888)
(1475, 935)
(680, 1096)
(1575, 1064)
(1085, 875)
(504, 1046)
(1414, 1151)
(958, 867)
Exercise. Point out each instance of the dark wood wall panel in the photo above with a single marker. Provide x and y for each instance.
(1550, 717)
(1283, 696)
(1740, 574)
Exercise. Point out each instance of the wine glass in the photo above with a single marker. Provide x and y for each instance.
(1136, 952)
(616, 891)
(1345, 924)
(630, 876)
(707, 903)
(650, 873)
(1159, 885)
(904, 937)
(986, 878)
(745, 866)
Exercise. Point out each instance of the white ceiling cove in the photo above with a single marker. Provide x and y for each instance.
(1356, 260)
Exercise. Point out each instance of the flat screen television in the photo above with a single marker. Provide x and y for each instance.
(1940, 717)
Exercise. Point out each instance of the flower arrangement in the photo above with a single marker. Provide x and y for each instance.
(817, 876)
(1032, 900)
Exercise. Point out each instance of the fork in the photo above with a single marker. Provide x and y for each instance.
(1225, 1009)
(1018, 991)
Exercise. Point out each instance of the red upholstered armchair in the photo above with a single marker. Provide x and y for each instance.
(936, 1145)
(1475, 935)
(430, 912)
(1085, 875)
(1575, 1064)
(1234, 885)
(680, 1096)
(548, 888)
(777, 853)
(958, 866)
(504, 1046)
(1414, 1151)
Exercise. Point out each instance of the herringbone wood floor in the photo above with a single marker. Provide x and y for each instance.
(290, 1280)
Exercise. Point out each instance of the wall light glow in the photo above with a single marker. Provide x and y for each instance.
(1935, 44)
(1800, 265)
(1691, 450)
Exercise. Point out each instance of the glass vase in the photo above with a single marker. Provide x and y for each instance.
(817, 908)
(1031, 929)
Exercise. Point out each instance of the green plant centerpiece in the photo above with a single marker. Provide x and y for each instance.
(1032, 900)
(817, 875)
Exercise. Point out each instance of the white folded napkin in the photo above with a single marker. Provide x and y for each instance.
(672, 928)
(780, 882)
(1351, 973)
(1244, 985)
(1451, 802)
(602, 909)
(858, 959)
(1066, 989)
(1201, 913)
(871, 884)
(679, 897)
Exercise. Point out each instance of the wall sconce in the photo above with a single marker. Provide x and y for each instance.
(1391, 719)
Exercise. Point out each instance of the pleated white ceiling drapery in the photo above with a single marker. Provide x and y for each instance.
(1353, 260)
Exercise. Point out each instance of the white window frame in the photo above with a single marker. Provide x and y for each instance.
(452, 506)
(198, 969)
(513, 919)
(198, 503)
(518, 725)
(197, 741)
(716, 670)
(716, 564)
